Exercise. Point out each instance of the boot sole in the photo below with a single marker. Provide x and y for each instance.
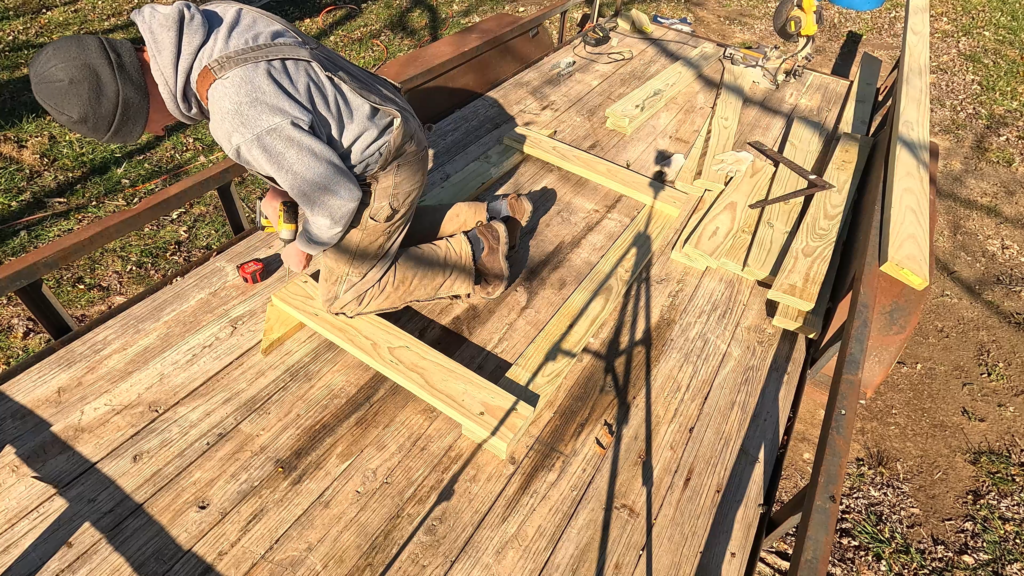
(503, 247)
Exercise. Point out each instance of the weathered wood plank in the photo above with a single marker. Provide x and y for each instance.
(609, 527)
(531, 97)
(113, 382)
(488, 412)
(628, 114)
(313, 412)
(905, 243)
(719, 478)
(601, 171)
(131, 474)
(804, 268)
(735, 81)
(271, 522)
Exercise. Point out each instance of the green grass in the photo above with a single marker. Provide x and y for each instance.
(888, 544)
(879, 528)
(998, 26)
(45, 168)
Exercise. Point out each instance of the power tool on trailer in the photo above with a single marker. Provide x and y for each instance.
(596, 34)
(796, 22)
(287, 228)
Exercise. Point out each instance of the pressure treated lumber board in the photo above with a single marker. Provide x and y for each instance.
(488, 414)
(707, 200)
(803, 270)
(765, 118)
(709, 240)
(905, 246)
(688, 173)
(630, 112)
(857, 113)
(735, 81)
(622, 180)
(803, 144)
(545, 362)
(860, 101)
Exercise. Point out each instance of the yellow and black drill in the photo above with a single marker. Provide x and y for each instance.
(287, 225)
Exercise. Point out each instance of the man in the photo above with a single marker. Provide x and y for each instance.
(340, 141)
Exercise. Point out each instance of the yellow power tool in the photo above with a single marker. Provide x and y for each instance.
(797, 19)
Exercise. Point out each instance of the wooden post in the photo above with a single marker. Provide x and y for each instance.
(233, 208)
(45, 308)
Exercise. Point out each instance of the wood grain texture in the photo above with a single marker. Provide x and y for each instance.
(139, 468)
(610, 524)
(601, 171)
(860, 102)
(630, 112)
(718, 487)
(487, 411)
(735, 81)
(318, 415)
(803, 145)
(90, 397)
(474, 178)
(707, 200)
(545, 362)
(905, 244)
(715, 232)
(278, 327)
(688, 173)
(806, 264)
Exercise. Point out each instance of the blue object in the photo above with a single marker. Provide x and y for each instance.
(859, 5)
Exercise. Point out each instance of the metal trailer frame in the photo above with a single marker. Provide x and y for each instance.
(871, 316)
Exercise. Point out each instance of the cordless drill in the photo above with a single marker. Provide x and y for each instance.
(287, 225)
(287, 228)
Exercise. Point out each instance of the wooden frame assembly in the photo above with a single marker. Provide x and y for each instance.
(490, 414)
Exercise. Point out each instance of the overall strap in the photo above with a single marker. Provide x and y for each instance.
(225, 63)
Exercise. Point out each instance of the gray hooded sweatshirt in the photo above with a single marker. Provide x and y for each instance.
(284, 119)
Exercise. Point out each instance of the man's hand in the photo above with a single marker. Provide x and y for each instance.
(271, 203)
(294, 258)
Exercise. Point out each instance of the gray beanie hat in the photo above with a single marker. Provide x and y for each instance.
(92, 85)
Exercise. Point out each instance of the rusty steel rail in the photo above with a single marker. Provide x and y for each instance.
(23, 275)
(429, 70)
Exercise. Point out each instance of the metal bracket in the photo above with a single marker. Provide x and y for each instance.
(818, 184)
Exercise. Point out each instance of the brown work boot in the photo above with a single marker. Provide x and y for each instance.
(520, 209)
(490, 249)
(515, 211)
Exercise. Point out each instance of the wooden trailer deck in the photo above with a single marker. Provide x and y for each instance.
(164, 443)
